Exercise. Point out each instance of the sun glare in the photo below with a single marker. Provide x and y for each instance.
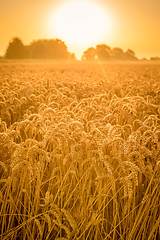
(81, 22)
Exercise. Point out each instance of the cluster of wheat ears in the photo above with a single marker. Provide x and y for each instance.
(79, 151)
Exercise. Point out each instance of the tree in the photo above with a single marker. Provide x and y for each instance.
(103, 52)
(52, 49)
(117, 53)
(89, 54)
(15, 50)
(130, 55)
(155, 59)
(37, 49)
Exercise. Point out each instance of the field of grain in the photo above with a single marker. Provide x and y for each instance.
(79, 151)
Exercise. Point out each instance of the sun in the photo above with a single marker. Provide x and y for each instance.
(81, 22)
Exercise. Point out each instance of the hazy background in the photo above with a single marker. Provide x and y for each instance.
(136, 24)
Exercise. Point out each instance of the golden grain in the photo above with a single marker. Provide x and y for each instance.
(79, 152)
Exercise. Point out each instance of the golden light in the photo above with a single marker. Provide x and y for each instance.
(81, 22)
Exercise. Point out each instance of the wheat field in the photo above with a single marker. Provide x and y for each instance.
(79, 151)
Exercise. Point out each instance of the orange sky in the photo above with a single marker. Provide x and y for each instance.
(136, 24)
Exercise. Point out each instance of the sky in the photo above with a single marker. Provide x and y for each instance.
(133, 24)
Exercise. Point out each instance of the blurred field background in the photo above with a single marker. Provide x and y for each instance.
(79, 151)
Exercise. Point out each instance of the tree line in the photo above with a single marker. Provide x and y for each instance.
(103, 52)
(56, 49)
(40, 49)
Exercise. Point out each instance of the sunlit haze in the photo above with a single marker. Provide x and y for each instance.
(81, 23)
(84, 23)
